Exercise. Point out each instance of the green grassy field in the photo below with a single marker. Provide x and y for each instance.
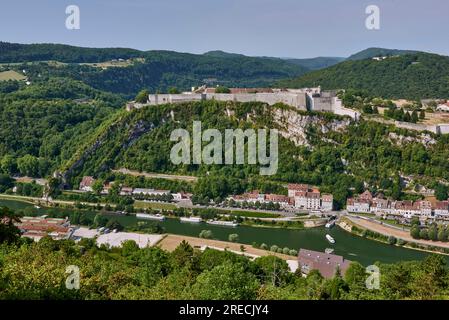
(250, 214)
(154, 205)
(11, 75)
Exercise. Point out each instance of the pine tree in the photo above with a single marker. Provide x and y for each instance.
(414, 117)
(422, 115)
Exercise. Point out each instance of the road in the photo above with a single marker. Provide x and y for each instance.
(389, 230)
(156, 175)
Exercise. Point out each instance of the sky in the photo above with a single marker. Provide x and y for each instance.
(281, 28)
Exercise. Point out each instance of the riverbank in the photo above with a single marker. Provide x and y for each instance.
(251, 219)
(390, 231)
(171, 241)
(348, 245)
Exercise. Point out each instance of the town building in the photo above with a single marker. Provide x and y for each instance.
(256, 196)
(86, 184)
(381, 206)
(407, 208)
(126, 191)
(300, 196)
(294, 187)
(327, 202)
(253, 196)
(361, 203)
(442, 209)
(107, 187)
(366, 203)
(283, 201)
(149, 192)
(327, 264)
(358, 205)
(181, 196)
(308, 200)
(39, 227)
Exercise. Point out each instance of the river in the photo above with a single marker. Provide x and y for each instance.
(348, 245)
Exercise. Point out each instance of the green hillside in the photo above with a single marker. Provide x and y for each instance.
(316, 63)
(379, 52)
(413, 76)
(15, 52)
(155, 70)
(139, 140)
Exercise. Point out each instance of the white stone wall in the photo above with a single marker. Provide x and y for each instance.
(359, 207)
(156, 99)
(297, 100)
(326, 205)
(443, 128)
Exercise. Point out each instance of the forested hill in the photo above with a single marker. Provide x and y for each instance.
(311, 150)
(379, 52)
(15, 52)
(316, 63)
(153, 70)
(412, 76)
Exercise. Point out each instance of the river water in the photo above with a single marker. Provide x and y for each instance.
(348, 245)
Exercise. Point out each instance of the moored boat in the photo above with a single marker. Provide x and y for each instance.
(146, 216)
(330, 224)
(191, 219)
(330, 239)
(223, 223)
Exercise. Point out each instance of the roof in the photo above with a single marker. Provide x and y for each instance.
(87, 181)
(442, 205)
(276, 198)
(325, 263)
(406, 205)
(298, 187)
(366, 195)
(38, 226)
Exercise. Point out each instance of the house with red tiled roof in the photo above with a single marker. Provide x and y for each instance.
(308, 200)
(441, 209)
(294, 187)
(39, 227)
(357, 205)
(86, 183)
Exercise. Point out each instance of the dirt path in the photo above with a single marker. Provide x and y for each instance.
(171, 241)
(389, 231)
(157, 175)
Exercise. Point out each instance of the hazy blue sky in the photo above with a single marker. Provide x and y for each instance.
(284, 28)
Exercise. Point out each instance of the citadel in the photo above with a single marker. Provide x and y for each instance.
(306, 99)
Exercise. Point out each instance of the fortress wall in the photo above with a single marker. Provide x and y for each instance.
(292, 99)
(155, 99)
(220, 96)
(322, 104)
(297, 100)
(245, 97)
(415, 126)
(347, 112)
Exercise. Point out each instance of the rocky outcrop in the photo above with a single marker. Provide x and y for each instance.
(293, 125)
(424, 139)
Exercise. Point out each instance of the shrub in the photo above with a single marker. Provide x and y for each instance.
(392, 240)
(206, 234)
